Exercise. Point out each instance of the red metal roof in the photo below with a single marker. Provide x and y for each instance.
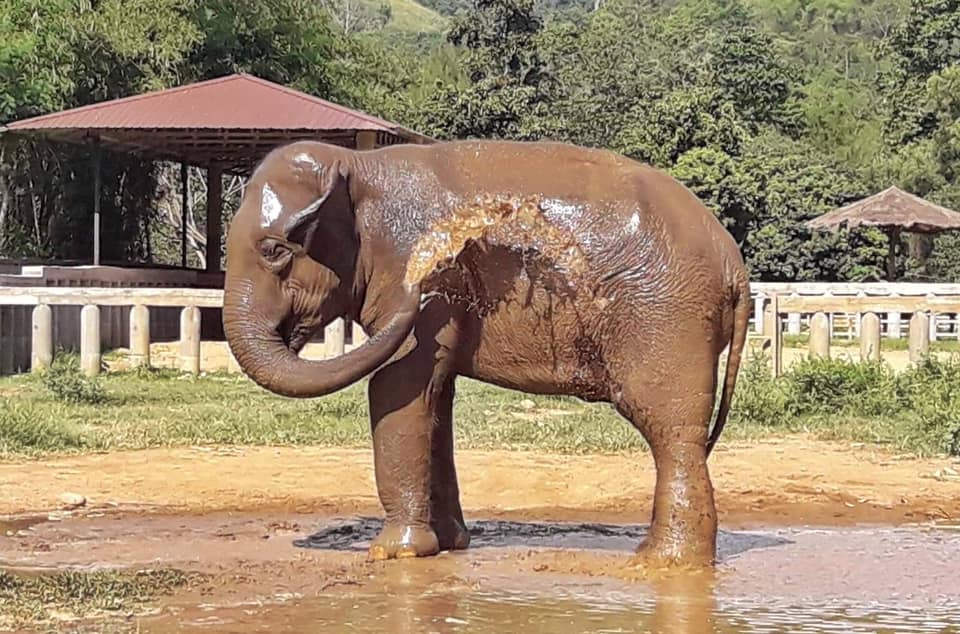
(238, 101)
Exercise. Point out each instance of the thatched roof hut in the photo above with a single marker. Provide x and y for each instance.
(893, 211)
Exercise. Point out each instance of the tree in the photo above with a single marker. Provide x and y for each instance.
(36, 59)
(502, 63)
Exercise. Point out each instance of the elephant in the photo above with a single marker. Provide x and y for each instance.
(537, 266)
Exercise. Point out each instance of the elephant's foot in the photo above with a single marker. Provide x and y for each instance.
(451, 533)
(399, 541)
(662, 554)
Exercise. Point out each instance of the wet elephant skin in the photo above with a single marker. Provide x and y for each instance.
(613, 283)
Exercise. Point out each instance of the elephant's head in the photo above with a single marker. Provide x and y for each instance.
(292, 260)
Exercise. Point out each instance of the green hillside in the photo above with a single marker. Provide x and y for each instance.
(408, 15)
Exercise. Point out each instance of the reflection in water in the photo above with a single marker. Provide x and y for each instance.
(684, 603)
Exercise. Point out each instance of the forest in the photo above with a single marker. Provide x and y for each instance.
(771, 111)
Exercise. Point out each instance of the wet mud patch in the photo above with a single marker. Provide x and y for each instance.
(355, 535)
(502, 221)
(284, 572)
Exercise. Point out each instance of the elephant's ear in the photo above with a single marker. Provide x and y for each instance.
(300, 227)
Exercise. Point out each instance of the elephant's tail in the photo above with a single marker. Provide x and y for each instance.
(741, 318)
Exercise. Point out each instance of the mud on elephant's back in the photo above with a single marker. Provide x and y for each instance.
(503, 221)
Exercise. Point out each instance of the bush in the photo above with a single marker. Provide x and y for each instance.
(918, 409)
(931, 391)
(67, 383)
(834, 386)
(759, 398)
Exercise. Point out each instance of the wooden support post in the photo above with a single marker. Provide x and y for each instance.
(893, 235)
(870, 337)
(793, 324)
(334, 338)
(933, 326)
(97, 178)
(820, 336)
(184, 211)
(190, 340)
(358, 335)
(41, 351)
(919, 337)
(773, 332)
(758, 312)
(90, 340)
(214, 216)
(140, 336)
(893, 325)
(366, 139)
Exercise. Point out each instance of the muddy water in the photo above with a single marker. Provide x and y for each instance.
(306, 574)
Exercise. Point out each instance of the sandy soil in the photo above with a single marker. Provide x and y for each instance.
(788, 481)
(238, 513)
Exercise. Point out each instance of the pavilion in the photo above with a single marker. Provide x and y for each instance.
(223, 125)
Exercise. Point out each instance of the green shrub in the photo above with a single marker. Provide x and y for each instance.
(67, 383)
(840, 386)
(930, 390)
(759, 398)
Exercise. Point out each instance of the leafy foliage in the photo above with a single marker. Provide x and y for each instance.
(916, 408)
(772, 111)
(65, 382)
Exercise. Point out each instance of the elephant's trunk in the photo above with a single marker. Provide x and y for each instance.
(259, 348)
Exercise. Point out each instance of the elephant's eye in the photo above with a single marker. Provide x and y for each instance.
(274, 253)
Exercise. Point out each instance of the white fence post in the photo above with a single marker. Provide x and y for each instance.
(334, 338)
(190, 340)
(41, 344)
(90, 340)
(140, 336)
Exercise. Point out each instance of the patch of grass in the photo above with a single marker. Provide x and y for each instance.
(917, 410)
(42, 598)
(25, 429)
(150, 408)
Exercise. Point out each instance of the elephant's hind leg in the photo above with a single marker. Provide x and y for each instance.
(674, 416)
(411, 409)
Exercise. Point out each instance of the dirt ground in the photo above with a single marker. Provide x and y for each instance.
(788, 481)
(237, 512)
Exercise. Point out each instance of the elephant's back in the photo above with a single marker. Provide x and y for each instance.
(623, 214)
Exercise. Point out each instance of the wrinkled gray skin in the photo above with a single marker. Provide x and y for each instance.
(324, 232)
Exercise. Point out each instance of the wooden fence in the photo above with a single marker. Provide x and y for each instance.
(867, 312)
(844, 305)
(36, 320)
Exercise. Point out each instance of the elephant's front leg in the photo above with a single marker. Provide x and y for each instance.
(411, 412)
(446, 515)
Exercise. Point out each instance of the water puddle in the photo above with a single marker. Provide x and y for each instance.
(11, 526)
(306, 573)
(870, 579)
(563, 608)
